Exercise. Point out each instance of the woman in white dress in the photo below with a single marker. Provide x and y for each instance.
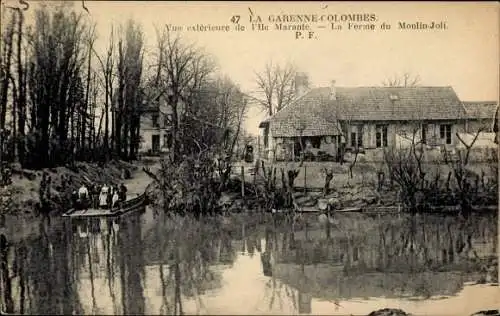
(103, 197)
(116, 198)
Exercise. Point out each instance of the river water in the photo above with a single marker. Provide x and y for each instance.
(149, 263)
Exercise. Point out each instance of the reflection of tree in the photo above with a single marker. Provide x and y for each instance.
(276, 290)
(91, 272)
(131, 263)
(111, 254)
(42, 267)
(5, 276)
(51, 268)
(429, 241)
(186, 247)
(388, 256)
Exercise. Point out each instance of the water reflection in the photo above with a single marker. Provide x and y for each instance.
(156, 264)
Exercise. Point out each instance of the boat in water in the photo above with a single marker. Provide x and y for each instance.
(129, 206)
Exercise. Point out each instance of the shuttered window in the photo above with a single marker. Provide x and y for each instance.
(445, 132)
(424, 134)
(381, 136)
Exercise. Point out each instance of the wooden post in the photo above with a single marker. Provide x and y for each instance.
(305, 179)
(243, 181)
(258, 145)
(255, 170)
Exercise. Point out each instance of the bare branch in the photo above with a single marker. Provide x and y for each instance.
(403, 80)
(277, 85)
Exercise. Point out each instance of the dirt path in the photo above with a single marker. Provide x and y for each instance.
(140, 180)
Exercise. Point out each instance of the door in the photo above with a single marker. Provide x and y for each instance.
(155, 143)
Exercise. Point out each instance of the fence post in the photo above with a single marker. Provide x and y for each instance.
(305, 179)
(243, 181)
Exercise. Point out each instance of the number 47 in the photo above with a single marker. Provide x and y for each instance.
(235, 19)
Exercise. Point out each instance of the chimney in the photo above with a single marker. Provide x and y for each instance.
(333, 90)
(301, 84)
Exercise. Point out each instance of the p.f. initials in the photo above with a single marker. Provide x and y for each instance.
(304, 35)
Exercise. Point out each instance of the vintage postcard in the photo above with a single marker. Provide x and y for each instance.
(223, 158)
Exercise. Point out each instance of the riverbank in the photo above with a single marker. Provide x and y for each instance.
(364, 191)
(22, 196)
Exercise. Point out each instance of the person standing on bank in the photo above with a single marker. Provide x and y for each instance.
(103, 197)
(123, 192)
(83, 195)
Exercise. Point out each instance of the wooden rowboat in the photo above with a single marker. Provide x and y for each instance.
(126, 207)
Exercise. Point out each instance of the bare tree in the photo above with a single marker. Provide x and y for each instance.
(107, 68)
(405, 168)
(495, 124)
(182, 69)
(6, 61)
(22, 98)
(277, 86)
(6, 78)
(405, 79)
(129, 96)
(90, 42)
(462, 174)
(56, 73)
(214, 120)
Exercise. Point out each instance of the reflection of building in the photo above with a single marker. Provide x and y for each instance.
(305, 300)
(391, 259)
(267, 268)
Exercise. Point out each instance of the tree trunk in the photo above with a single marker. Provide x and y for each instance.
(106, 118)
(6, 78)
(21, 100)
(120, 105)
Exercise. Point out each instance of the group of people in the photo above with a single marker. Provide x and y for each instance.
(99, 196)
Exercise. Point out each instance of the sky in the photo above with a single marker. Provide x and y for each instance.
(464, 56)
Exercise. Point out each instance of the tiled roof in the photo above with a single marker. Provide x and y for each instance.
(318, 114)
(303, 117)
(480, 110)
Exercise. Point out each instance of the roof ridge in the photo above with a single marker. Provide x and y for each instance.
(486, 101)
(383, 87)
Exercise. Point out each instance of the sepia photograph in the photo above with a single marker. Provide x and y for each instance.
(249, 158)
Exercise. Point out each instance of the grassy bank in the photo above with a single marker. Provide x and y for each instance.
(22, 196)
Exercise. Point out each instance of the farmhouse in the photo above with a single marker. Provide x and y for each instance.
(325, 122)
(480, 115)
(154, 130)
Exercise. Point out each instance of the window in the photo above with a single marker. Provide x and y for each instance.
(315, 142)
(266, 136)
(353, 139)
(381, 135)
(445, 132)
(355, 254)
(357, 136)
(167, 140)
(154, 119)
(424, 134)
(360, 136)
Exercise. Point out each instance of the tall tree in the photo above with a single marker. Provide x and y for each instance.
(182, 69)
(108, 76)
(22, 90)
(59, 45)
(6, 76)
(129, 100)
(276, 84)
